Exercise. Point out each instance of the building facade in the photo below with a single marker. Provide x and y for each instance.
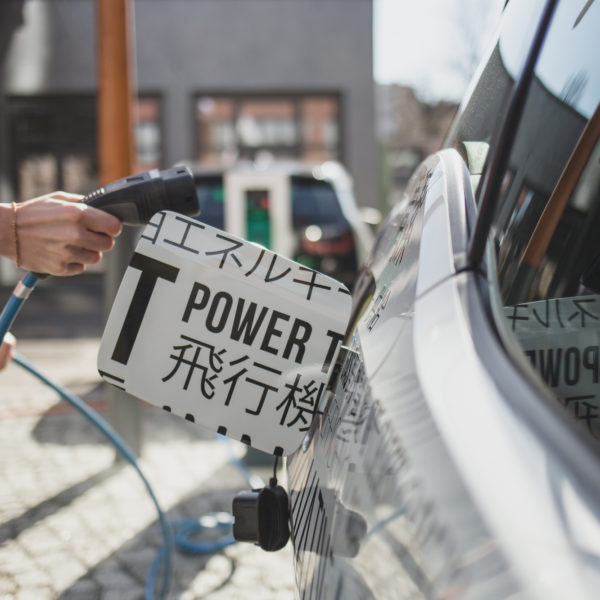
(408, 130)
(216, 80)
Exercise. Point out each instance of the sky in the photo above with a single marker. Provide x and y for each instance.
(432, 45)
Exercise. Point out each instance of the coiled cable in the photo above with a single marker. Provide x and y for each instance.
(178, 534)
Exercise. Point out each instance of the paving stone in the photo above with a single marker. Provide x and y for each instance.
(40, 540)
(137, 561)
(32, 578)
(14, 559)
(63, 568)
(8, 586)
(39, 593)
(115, 578)
(75, 527)
(84, 589)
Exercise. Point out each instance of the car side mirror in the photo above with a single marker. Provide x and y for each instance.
(370, 215)
(224, 333)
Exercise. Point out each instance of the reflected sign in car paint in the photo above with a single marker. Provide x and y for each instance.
(224, 333)
(561, 338)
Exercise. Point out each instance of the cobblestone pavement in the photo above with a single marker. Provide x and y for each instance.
(75, 524)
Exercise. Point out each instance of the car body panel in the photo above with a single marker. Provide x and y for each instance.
(376, 471)
(497, 453)
(395, 494)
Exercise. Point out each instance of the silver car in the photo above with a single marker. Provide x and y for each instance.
(458, 456)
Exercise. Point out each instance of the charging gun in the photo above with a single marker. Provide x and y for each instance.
(135, 199)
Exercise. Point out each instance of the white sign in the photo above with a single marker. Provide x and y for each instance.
(224, 333)
(561, 338)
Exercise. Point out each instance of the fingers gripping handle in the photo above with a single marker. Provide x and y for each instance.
(133, 200)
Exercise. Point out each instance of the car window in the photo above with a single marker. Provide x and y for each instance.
(473, 129)
(314, 202)
(546, 228)
(211, 196)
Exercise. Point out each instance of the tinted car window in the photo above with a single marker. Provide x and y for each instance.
(211, 197)
(545, 231)
(314, 202)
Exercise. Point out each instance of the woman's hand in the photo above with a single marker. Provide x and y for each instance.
(7, 349)
(58, 235)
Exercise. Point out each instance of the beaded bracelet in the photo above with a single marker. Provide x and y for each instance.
(16, 235)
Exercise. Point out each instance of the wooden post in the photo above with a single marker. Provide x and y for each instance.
(115, 89)
(115, 156)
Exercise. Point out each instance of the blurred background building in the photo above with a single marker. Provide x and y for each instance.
(221, 80)
(215, 81)
(408, 129)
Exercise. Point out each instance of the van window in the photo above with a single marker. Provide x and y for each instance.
(314, 202)
(211, 197)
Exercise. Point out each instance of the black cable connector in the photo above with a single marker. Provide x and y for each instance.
(262, 515)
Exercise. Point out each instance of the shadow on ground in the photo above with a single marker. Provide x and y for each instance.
(122, 574)
(127, 569)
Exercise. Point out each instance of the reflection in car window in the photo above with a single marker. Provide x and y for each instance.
(545, 231)
(473, 129)
(573, 33)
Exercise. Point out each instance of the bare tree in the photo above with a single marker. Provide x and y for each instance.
(471, 23)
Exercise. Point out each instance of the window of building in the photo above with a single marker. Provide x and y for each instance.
(148, 133)
(290, 127)
(53, 142)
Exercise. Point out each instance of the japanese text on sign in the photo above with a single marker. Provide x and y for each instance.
(224, 333)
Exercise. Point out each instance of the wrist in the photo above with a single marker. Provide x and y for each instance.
(8, 243)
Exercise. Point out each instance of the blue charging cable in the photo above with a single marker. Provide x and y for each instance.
(178, 533)
(10, 311)
(124, 450)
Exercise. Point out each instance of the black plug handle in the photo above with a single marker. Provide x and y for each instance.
(133, 200)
